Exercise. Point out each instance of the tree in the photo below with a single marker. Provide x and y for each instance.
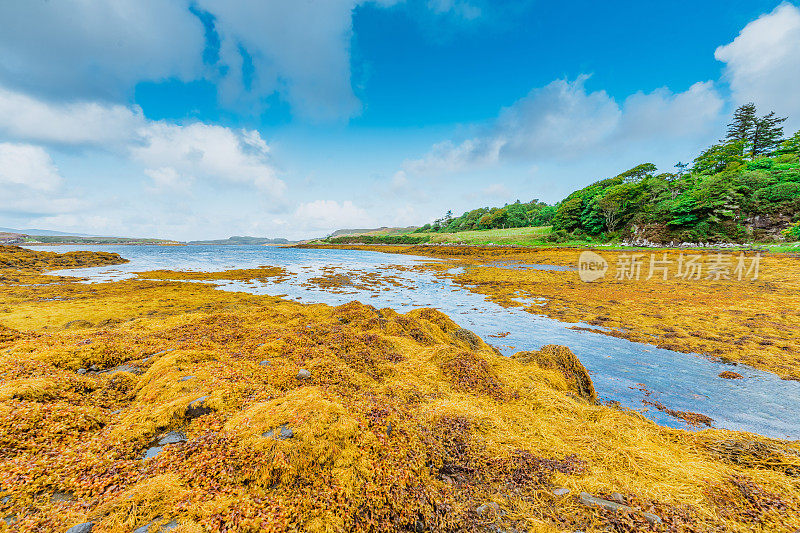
(717, 158)
(767, 134)
(568, 214)
(743, 125)
(790, 146)
(638, 172)
(617, 203)
(681, 168)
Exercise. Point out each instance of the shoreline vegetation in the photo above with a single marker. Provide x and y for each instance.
(743, 191)
(160, 402)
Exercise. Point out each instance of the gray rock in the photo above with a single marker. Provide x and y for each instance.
(561, 492)
(86, 527)
(186, 378)
(488, 509)
(173, 437)
(118, 411)
(94, 368)
(152, 452)
(589, 500)
(617, 497)
(284, 433)
(265, 363)
(303, 374)
(198, 408)
(61, 496)
(81, 371)
(123, 368)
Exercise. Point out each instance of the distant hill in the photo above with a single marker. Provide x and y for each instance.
(47, 232)
(375, 231)
(252, 241)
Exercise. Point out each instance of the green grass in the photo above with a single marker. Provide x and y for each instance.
(521, 236)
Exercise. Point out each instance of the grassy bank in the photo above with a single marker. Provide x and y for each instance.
(541, 236)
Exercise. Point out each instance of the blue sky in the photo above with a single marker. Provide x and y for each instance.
(208, 118)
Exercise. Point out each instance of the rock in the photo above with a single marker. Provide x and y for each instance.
(81, 371)
(488, 509)
(561, 492)
(198, 408)
(118, 411)
(303, 374)
(5, 499)
(284, 433)
(730, 375)
(561, 358)
(61, 496)
(589, 500)
(265, 363)
(94, 368)
(186, 378)
(86, 527)
(173, 437)
(619, 498)
(123, 368)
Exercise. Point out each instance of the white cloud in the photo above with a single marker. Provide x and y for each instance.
(167, 179)
(329, 215)
(562, 121)
(80, 49)
(205, 151)
(77, 49)
(298, 49)
(31, 184)
(28, 166)
(79, 123)
(762, 64)
(171, 154)
(662, 114)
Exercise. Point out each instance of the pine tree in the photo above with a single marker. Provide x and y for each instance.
(743, 125)
(767, 135)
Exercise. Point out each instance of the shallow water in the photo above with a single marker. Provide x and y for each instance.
(761, 402)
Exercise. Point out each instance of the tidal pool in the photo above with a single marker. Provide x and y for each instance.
(624, 371)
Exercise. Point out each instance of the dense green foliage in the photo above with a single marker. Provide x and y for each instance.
(379, 239)
(516, 215)
(729, 195)
(746, 187)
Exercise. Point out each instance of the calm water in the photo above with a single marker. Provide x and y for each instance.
(761, 402)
